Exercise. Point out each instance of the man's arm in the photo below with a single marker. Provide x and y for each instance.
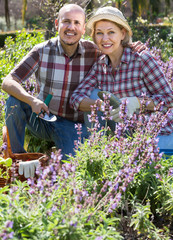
(12, 86)
(138, 46)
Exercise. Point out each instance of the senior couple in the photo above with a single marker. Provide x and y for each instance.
(73, 70)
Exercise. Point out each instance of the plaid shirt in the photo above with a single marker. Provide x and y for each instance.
(137, 73)
(57, 73)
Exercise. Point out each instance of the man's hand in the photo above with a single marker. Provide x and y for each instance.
(39, 106)
(12, 86)
(138, 46)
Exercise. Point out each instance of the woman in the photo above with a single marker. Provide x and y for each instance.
(120, 71)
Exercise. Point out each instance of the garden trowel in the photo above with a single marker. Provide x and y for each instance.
(34, 119)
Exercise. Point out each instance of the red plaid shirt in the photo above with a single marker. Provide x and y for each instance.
(57, 73)
(137, 73)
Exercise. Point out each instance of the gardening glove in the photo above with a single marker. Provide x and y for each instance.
(28, 168)
(133, 104)
(101, 105)
(114, 101)
(115, 115)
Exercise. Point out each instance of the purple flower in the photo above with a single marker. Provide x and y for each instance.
(170, 173)
(99, 238)
(9, 224)
(73, 224)
(157, 175)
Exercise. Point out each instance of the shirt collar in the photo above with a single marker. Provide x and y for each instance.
(124, 59)
(126, 55)
(80, 49)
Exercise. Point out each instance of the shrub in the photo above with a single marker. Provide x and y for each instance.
(16, 48)
(111, 189)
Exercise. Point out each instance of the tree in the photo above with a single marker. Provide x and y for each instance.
(7, 14)
(24, 8)
(138, 6)
(168, 4)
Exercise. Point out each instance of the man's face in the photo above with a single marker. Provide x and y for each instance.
(71, 27)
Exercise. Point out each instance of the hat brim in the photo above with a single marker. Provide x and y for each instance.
(109, 17)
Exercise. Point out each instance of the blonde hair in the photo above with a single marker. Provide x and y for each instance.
(125, 42)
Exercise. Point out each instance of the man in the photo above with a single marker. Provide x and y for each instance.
(59, 65)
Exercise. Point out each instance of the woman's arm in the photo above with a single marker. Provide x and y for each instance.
(80, 98)
(156, 82)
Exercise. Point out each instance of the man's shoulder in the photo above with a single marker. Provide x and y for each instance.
(47, 44)
(90, 49)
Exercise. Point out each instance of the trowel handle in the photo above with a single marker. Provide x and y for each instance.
(48, 99)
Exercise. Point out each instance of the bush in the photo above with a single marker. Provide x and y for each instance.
(16, 48)
(116, 187)
(159, 36)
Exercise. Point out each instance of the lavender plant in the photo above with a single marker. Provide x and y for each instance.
(164, 60)
(84, 198)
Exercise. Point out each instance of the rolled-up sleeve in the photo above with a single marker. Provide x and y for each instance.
(156, 82)
(27, 66)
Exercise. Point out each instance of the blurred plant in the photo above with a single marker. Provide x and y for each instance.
(165, 192)
(158, 37)
(142, 21)
(16, 49)
(48, 13)
(164, 60)
(5, 168)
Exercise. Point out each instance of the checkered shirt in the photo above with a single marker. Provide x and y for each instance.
(138, 73)
(57, 73)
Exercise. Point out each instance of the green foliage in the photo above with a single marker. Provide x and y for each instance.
(140, 219)
(160, 37)
(34, 144)
(142, 223)
(72, 200)
(16, 48)
(6, 162)
(3, 36)
(5, 165)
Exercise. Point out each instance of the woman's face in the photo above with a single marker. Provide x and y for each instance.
(108, 36)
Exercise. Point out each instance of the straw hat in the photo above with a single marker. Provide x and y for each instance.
(111, 14)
